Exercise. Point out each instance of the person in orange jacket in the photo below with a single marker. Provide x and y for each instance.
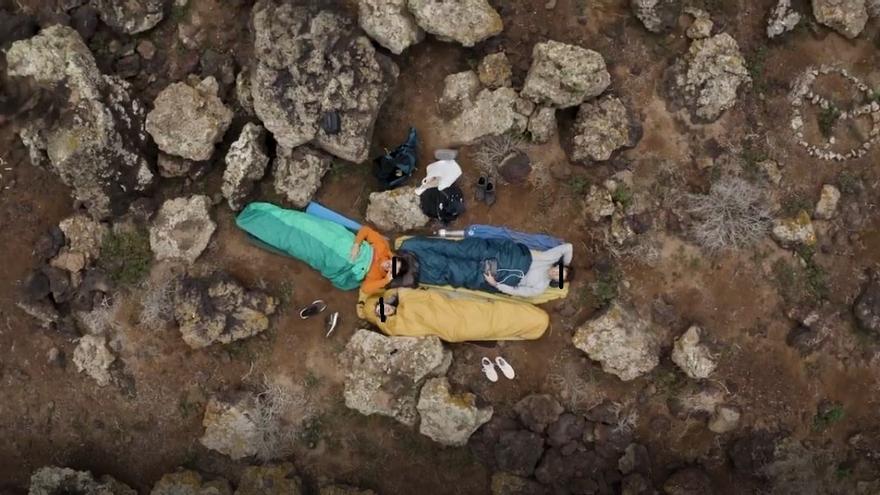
(379, 274)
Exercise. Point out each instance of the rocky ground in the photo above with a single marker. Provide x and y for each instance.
(714, 164)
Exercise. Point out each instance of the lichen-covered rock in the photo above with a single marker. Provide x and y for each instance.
(171, 166)
(309, 63)
(656, 15)
(243, 95)
(599, 204)
(95, 139)
(782, 19)
(385, 374)
(217, 309)
(702, 25)
(182, 229)
(491, 113)
(188, 482)
(447, 418)
(495, 71)
(231, 426)
(867, 307)
(278, 479)
(708, 76)
(130, 16)
(601, 128)
(464, 21)
(847, 17)
(692, 357)
(537, 411)
(94, 358)
(565, 75)
(298, 173)
(389, 23)
(459, 91)
(624, 343)
(542, 125)
(246, 164)
(396, 210)
(797, 231)
(83, 239)
(53, 480)
(826, 207)
(188, 121)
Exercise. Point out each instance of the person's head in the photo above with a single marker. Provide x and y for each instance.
(567, 273)
(402, 266)
(385, 306)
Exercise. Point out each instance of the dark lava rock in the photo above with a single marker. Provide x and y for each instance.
(752, 452)
(85, 21)
(688, 481)
(518, 452)
(567, 428)
(48, 245)
(482, 443)
(537, 411)
(14, 27)
(636, 484)
(59, 284)
(867, 306)
(128, 66)
(635, 459)
(36, 286)
(606, 412)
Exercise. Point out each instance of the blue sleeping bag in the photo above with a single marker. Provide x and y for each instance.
(460, 263)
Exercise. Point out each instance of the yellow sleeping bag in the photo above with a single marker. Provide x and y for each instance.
(455, 316)
(552, 293)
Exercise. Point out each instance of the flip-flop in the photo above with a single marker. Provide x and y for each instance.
(505, 368)
(489, 369)
(312, 309)
(332, 320)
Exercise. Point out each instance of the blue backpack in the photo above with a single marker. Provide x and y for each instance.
(394, 168)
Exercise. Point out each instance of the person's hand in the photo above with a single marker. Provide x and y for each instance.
(355, 250)
(490, 279)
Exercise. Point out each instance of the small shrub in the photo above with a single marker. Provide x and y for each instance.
(622, 196)
(814, 274)
(157, 304)
(821, 421)
(578, 186)
(827, 118)
(849, 183)
(734, 214)
(605, 288)
(126, 256)
(492, 150)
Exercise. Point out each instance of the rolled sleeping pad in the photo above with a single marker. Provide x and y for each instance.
(538, 242)
(321, 211)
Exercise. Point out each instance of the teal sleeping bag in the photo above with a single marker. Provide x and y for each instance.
(322, 244)
(460, 263)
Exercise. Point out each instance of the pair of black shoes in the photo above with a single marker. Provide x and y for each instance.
(485, 191)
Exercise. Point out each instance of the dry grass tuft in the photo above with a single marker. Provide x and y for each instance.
(734, 214)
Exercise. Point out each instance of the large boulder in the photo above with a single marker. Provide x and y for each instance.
(707, 77)
(188, 482)
(490, 113)
(187, 121)
(782, 19)
(448, 418)
(691, 356)
(602, 127)
(625, 344)
(656, 15)
(396, 210)
(130, 16)
(182, 229)
(537, 411)
(565, 75)
(385, 374)
(93, 357)
(308, 64)
(867, 307)
(847, 17)
(278, 479)
(246, 164)
(794, 231)
(390, 24)
(231, 426)
(52, 480)
(298, 173)
(217, 309)
(464, 21)
(93, 137)
(459, 91)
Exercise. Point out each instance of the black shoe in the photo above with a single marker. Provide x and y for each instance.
(489, 194)
(312, 309)
(480, 189)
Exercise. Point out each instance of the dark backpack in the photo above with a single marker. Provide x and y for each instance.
(445, 205)
(394, 168)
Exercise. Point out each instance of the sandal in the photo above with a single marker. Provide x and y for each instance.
(332, 320)
(312, 309)
(489, 369)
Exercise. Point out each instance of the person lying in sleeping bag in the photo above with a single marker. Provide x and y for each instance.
(493, 265)
(346, 259)
(453, 316)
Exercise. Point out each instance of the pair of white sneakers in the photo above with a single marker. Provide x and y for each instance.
(503, 365)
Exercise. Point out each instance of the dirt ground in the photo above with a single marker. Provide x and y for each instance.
(50, 414)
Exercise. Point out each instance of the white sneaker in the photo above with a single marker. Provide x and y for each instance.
(489, 369)
(505, 367)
